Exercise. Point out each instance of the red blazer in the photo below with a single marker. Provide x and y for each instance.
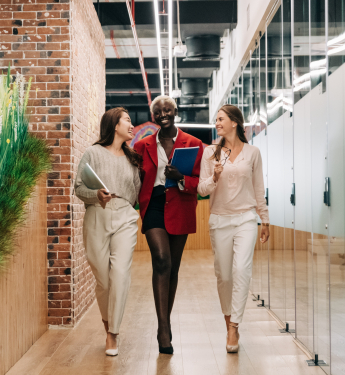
(180, 206)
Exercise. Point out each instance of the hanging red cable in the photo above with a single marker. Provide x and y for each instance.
(141, 61)
(114, 44)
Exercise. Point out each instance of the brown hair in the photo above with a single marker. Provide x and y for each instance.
(235, 115)
(108, 124)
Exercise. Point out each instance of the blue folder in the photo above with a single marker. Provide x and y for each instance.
(184, 160)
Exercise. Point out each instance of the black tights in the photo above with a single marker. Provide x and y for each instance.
(166, 252)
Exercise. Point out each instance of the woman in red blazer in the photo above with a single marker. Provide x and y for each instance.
(168, 215)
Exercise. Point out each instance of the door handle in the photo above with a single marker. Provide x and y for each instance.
(293, 195)
(327, 192)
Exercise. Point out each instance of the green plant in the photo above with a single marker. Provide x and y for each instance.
(23, 158)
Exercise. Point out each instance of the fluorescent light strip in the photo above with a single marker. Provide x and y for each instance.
(336, 50)
(158, 32)
(195, 125)
(170, 27)
(338, 39)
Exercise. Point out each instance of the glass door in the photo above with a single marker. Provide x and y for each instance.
(336, 172)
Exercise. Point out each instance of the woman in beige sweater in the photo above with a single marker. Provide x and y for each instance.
(231, 173)
(110, 222)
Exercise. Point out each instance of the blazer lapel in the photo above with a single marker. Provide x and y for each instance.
(152, 148)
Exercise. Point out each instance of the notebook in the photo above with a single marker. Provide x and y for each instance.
(91, 180)
(183, 159)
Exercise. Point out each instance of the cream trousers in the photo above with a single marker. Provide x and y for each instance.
(233, 239)
(110, 236)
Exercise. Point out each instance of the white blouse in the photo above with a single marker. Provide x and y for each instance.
(240, 187)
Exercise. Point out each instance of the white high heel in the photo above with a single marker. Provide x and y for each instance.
(113, 352)
(232, 348)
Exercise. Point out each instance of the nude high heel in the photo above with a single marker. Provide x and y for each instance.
(232, 348)
(113, 352)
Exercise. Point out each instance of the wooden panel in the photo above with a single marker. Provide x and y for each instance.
(23, 286)
(197, 241)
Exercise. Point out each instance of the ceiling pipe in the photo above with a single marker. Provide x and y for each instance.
(141, 61)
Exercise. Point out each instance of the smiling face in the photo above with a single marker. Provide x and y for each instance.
(124, 128)
(224, 124)
(164, 114)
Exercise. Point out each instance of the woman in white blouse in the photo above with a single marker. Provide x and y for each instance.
(231, 173)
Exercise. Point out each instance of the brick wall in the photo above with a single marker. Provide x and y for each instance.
(88, 104)
(60, 44)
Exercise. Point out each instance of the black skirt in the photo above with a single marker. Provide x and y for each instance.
(154, 216)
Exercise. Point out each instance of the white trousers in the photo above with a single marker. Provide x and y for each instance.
(110, 236)
(233, 240)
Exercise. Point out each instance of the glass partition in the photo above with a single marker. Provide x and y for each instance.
(318, 246)
(287, 109)
(254, 120)
(275, 146)
(336, 172)
(292, 96)
(302, 175)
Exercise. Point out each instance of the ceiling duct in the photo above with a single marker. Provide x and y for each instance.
(203, 48)
(194, 87)
(193, 103)
(188, 116)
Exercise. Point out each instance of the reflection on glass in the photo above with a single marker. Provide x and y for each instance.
(302, 177)
(288, 257)
(274, 68)
(275, 146)
(301, 74)
(253, 119)
(262, 135)
(319, 243)
(240, 93)
(234, 97)
(336, 170)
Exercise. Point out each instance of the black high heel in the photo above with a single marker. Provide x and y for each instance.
(166, 350)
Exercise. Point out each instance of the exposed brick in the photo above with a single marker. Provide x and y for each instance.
(59, 22)
(54, 321)
(59, 296)
(24, 15)
(47, 15)
(39, 23)
(33, 7)
(59, 312)
(37, 39)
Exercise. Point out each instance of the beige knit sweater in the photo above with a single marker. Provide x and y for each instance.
(116, 172)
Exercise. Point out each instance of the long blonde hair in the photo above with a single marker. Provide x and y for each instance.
(234, 114)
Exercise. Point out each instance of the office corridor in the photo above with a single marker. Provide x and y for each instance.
(198, 335)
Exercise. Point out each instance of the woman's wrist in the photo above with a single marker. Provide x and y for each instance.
(265, 224)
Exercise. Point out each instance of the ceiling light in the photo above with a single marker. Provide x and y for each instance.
(176, 94)
(158, 32)
(180, 50)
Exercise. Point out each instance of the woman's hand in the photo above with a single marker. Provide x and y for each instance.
(218, 169)
(265, 233)
(104, 197)
(172, 173)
